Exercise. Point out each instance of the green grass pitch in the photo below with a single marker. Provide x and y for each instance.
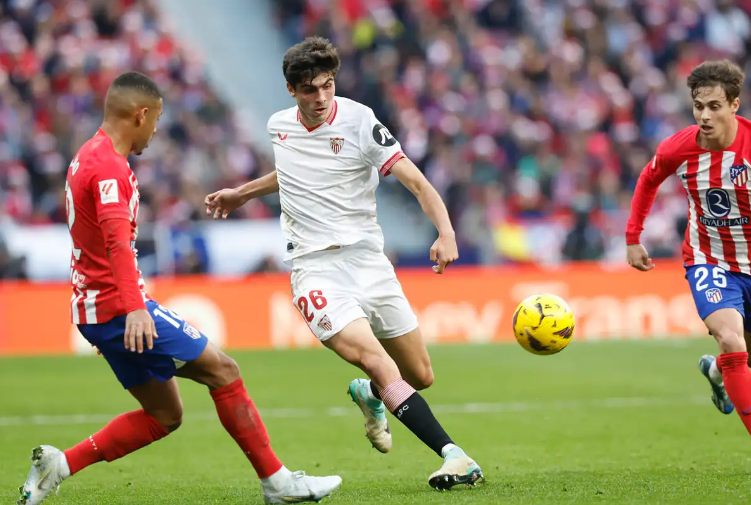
(606, 423)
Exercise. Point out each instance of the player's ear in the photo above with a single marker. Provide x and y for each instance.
(291, 90)
(736, 104)
(141, 115)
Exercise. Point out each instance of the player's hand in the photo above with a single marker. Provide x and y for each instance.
(444, 252)
(139, 324)
(639, 258)
(222, 202)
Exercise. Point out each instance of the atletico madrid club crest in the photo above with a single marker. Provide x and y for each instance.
(714, 295)
(739, 175)
(336, 144)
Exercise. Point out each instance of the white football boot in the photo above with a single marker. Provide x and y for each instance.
(48, 469)
(376, 425)
(708, 368)
(302, 488)
(458, 468)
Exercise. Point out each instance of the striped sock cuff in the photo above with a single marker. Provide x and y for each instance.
(396, 393)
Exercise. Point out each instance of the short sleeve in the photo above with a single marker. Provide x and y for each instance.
(112, 191)
(378, 146)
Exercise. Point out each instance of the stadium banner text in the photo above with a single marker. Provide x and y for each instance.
(472, 305)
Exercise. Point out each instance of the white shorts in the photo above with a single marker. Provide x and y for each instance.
(333, 288)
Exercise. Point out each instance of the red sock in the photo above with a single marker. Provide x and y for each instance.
(242, 421)
(737, 378)
(124, 434)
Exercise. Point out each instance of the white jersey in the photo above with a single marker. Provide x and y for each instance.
(328, 177)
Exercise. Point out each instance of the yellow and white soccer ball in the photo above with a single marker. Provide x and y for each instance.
(543, 324)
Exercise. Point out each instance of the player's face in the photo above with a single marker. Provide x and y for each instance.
(148, 118)
(713, 112)
(314, 99)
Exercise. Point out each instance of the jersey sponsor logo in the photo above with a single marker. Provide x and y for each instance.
(283, 137)
(739, 175)
(108, 191)
(382, 136)
(723, 223)
(718, 202)
(714, 295)
(336, 144)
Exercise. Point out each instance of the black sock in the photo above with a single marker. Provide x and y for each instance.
(374, 390)
(415, 414)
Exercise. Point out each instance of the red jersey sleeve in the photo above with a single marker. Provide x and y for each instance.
(654, 174)
(112, 192)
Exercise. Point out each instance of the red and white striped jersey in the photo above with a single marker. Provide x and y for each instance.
(99, 186)
(717, 187)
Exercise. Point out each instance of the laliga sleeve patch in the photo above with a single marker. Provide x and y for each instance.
(382, 136)
(108, 191)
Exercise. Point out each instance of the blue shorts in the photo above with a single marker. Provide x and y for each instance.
(715, 288)
(178, 343)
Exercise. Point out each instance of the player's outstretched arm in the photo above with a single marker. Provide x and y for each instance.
(444, 250)
(222, 202)
(654, 174)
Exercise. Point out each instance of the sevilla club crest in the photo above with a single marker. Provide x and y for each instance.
(336, 144)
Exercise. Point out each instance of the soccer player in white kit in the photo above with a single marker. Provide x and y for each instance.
(328, 152)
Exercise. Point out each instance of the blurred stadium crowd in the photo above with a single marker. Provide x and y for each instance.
(533, 118)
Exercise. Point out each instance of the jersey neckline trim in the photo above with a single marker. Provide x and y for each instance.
(329, 119)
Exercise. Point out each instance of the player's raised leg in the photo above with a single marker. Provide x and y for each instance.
(241, 419)
(357, 344)
(726, 325)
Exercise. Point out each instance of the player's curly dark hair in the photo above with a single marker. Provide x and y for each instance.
(723, 73)
(309, 59)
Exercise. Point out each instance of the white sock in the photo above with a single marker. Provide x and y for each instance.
(65, 468)
(277, 481)
(447, 448)
(714, 374)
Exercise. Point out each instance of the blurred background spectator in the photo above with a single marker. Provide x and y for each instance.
(532, 118)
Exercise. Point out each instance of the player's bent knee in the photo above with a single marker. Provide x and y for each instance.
(230, 369)
(170, 420)
(423, 379)
(729, 341)
(224, 373)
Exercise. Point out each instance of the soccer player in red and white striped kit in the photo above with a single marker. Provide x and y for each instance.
(711, 159)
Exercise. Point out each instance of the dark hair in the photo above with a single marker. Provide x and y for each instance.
(309, 59)
(135, 81)
(723, 73)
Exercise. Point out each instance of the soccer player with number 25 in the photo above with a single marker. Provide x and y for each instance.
(711, 159)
